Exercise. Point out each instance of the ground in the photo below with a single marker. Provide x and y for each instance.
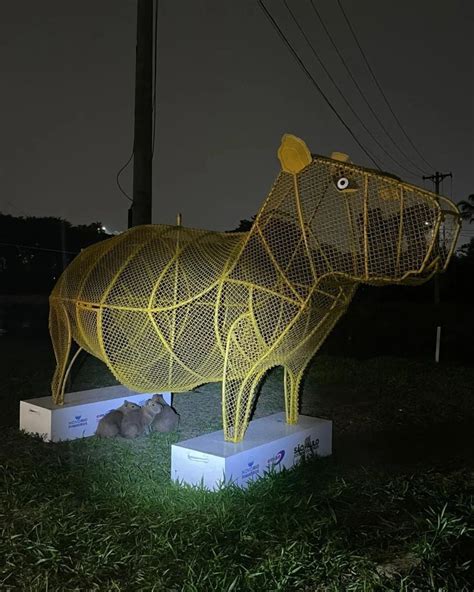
(390, 510)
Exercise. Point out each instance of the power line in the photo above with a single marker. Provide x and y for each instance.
(117, 177)
(21, 212)
(341, 93)
(346, 66)
(379, 87)
(37, 248)
(315, 84)
(437, 179)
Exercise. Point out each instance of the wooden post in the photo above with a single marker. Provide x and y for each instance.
(142, 147)
(437, 178)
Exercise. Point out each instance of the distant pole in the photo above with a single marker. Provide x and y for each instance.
(437, 178)
(142, 147)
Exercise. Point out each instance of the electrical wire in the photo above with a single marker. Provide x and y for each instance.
(117, 177)
(346, 18)
(37, 248)
(12, 205)
(312, 79)
(361, 92)
(356, 115)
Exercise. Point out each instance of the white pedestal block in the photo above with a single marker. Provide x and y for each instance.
(269, 444)
(79, 415)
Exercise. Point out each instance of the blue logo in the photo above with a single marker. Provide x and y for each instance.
(77, 422)
(276, 459)
(251, 470)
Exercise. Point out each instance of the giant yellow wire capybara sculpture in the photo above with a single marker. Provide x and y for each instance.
(168, 308)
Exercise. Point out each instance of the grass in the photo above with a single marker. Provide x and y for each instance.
(390, 511)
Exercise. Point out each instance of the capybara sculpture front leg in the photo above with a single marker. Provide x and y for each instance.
(243, 370)
(238, 399)
(291, 381)
(293, 376)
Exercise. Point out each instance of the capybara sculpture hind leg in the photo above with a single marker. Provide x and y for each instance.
(60, 330)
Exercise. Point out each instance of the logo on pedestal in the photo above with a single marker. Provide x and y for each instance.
(275, 460)
(77, 422)
(251, 470)
(307, 449)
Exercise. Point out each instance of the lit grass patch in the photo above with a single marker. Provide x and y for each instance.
(103, 514)
(95, 515)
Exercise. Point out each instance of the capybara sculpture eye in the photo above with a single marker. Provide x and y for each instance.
(345, 184)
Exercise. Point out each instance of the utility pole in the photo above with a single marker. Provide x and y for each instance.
(140, 210)
(437, 178)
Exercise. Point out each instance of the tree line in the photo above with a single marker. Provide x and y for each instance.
(34, 251)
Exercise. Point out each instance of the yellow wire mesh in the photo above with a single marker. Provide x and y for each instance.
(169, 308)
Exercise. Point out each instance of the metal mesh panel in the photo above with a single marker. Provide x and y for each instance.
(169, 308)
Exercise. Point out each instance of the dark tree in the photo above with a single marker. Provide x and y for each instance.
(244, 225)
(34, 251)
(467, 208)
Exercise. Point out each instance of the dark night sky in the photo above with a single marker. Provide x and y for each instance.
(227, 90)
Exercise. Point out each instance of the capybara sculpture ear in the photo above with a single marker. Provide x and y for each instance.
(340, 156)
(293, 154)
